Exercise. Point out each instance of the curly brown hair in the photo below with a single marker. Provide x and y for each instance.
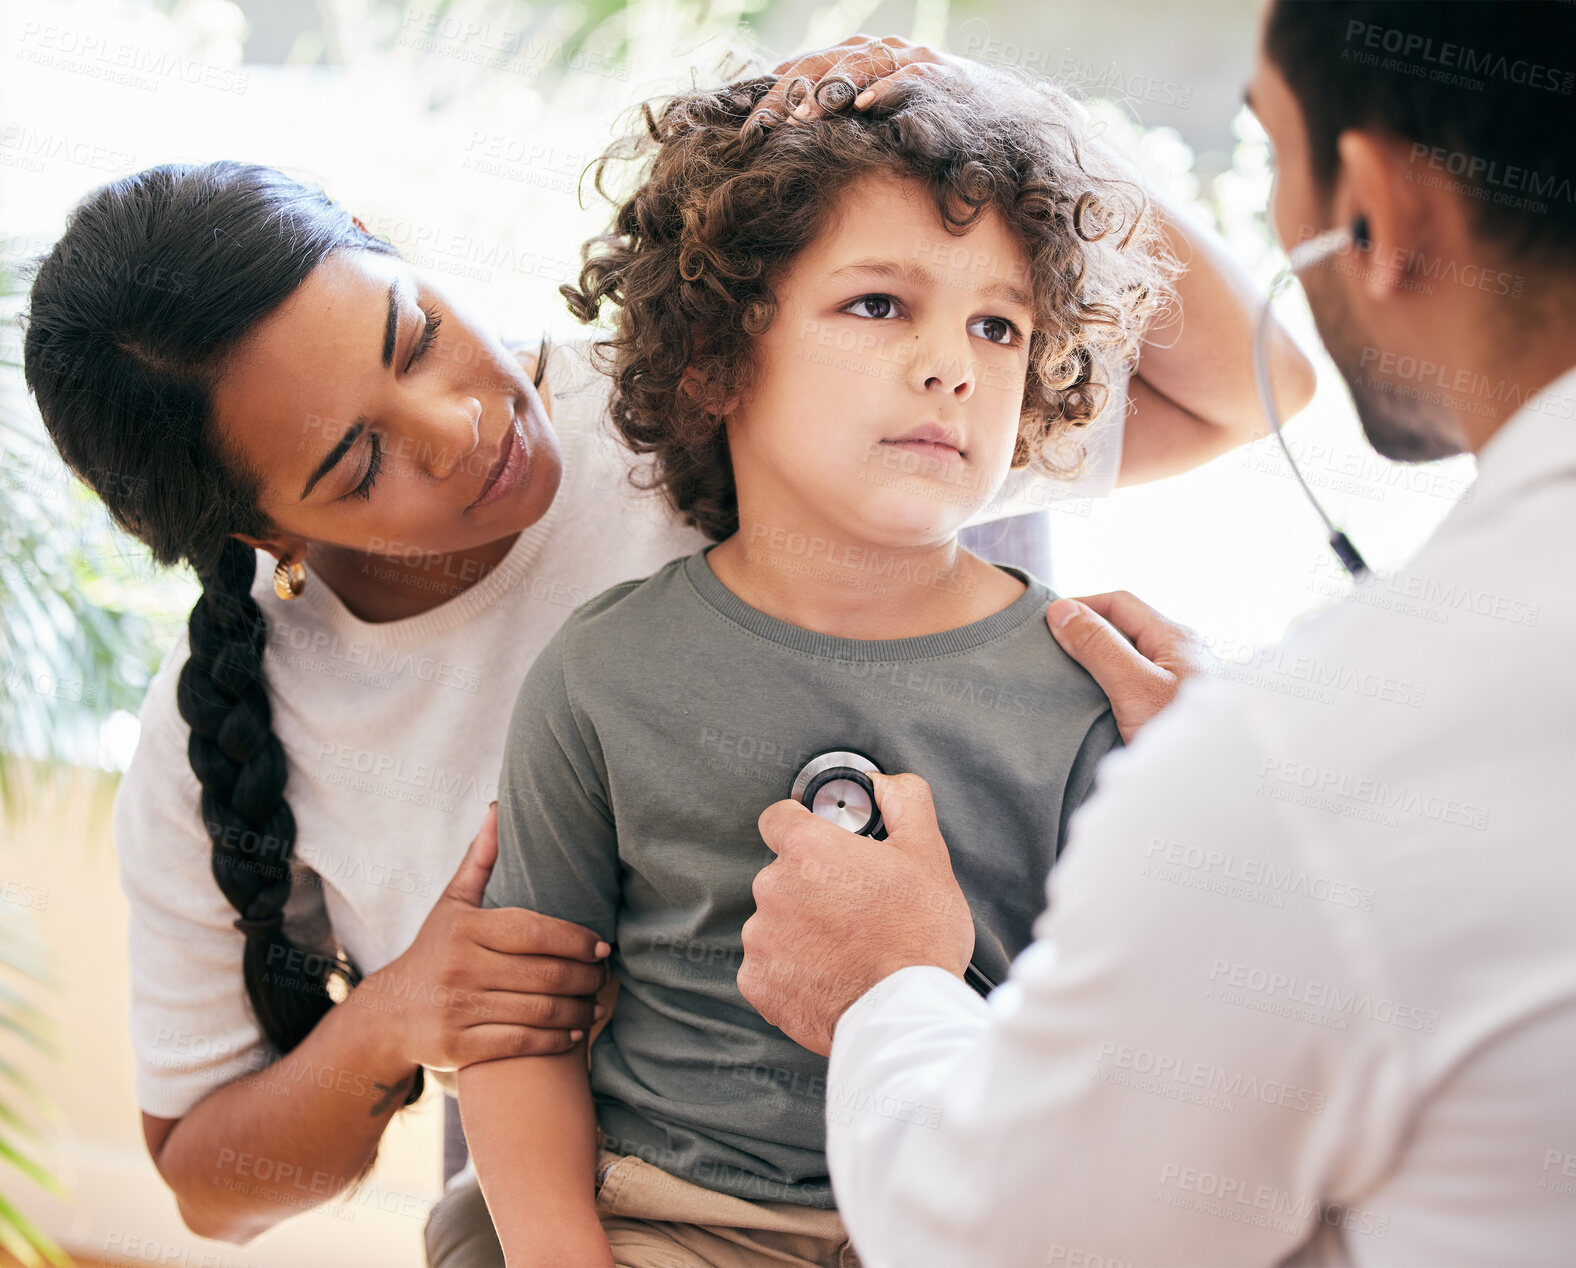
(719, 214)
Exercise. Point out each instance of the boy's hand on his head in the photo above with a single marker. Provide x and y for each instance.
(874, 66)
(835, 913)
(1139, 658)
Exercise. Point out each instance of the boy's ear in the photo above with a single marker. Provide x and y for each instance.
(709, 396)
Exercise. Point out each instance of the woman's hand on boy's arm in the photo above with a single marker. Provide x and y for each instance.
(479, 983)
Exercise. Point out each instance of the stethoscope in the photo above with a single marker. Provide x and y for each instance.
(1305, 256)
(836, 786)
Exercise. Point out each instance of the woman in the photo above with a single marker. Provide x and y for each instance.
(246, 376)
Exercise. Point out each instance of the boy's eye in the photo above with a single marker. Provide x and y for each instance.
(877, 306)
(996, 329)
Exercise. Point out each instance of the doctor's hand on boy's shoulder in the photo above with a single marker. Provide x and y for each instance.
(836, 913)
(1139, 658)
(480, 983)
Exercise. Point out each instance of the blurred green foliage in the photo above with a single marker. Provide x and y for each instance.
(80, 620)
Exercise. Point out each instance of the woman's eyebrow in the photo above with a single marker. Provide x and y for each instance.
(331, 460)
(391, 325)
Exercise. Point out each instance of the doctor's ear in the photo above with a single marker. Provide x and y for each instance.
(1403, 215)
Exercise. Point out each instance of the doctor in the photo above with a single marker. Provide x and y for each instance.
(1305, 990)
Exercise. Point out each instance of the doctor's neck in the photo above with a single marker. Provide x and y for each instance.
(1513, 357)
(1484, 357)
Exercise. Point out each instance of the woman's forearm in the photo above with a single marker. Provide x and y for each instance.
(532, 1131)
(293, 1135)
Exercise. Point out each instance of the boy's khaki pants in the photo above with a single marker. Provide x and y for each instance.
(655, 1220)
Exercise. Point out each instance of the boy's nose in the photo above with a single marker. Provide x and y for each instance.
(947, 372)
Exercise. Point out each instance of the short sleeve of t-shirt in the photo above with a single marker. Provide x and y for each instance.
(557, 847)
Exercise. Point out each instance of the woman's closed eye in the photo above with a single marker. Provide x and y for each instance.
(429, 333)
(374, 465)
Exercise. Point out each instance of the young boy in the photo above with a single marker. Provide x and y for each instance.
(836, 341)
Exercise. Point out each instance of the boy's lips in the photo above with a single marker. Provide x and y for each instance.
(930, 438)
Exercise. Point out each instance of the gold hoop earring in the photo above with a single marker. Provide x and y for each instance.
(289, 579)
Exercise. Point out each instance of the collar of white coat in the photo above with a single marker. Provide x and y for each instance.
(1534, 445)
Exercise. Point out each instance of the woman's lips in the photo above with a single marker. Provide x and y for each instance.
(511, 465)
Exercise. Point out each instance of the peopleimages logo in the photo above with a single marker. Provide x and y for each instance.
(1283, 881)
(1229, 975)
(1367, 791)
(1448, 62)
(1205, 1076)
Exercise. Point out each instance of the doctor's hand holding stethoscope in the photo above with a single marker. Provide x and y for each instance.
(817, 942)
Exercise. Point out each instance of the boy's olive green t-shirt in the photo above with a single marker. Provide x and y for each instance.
(647, 738)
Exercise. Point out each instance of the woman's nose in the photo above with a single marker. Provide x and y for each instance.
(453, 431)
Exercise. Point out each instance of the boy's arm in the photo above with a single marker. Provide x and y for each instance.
(530, 1127)
(1192, 393)
(529, 1120)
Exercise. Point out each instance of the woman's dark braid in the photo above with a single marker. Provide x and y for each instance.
(240, 764)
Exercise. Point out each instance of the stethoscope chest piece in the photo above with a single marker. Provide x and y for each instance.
(837, 787)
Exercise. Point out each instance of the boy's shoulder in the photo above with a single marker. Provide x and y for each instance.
(642, 610)
(610, 644)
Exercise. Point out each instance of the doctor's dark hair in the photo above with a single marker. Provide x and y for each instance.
(719, 215)
(1485, 90)
(132, 316)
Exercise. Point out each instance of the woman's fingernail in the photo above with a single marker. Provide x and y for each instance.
(603, 950)
(1062, 611)
(864, 99)
(575, 1036)
(598, 1013)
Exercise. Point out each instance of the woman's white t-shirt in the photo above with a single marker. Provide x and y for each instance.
(393, 737)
